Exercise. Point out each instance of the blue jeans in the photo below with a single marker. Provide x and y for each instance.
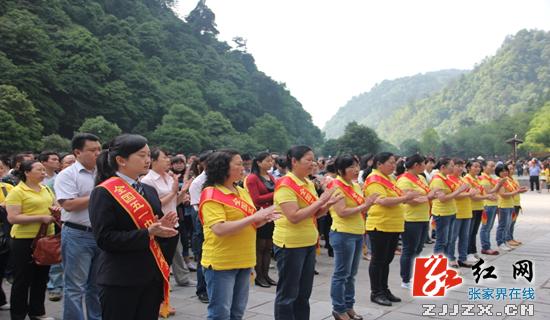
(504, 222)
(296, 268)
(443, 231)
(196, 244)
(413, 242)
(56, 278)
(227, 292)
(80, 263)
(517, 210)
(485, 233)
(347, 254)
(461, 231)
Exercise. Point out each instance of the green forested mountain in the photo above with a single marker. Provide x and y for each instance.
(385, 98)
(475, 113)
(515, 80)
(138, 65)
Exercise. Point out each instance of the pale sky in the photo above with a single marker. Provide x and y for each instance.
(329, 51)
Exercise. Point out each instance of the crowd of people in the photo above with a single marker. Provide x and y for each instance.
(132, 216)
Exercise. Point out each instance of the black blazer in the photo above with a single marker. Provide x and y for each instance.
(125, 258)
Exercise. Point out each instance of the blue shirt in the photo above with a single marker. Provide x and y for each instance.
(534, 170)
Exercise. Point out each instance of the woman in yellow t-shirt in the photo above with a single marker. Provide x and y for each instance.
(229, 221)
(295, 237)
(473, 169)
(444, 205)
(385, 222)
(417, 214)
(346, 235)
(517, 203)
(29, 205)
(505, 202)
(461, 228)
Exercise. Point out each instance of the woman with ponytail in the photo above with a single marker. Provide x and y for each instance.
(346, 236)
(473, 169)
(295, 236)
(461, 228)
(129, 227)
(384, 224)
(444, 205)
(417, 214)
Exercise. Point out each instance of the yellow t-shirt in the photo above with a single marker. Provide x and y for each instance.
(382, 218)
(439, 208)
(505, 202)
(517, 197)
(8, 187)
(32, 203)
(416, 212)
(484, 181)
(353, 224)
(236, 251)
(286, 233)
(477, 205)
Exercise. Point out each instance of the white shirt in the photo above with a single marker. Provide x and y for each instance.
(163, 185)
(71, 183)
(196, 189)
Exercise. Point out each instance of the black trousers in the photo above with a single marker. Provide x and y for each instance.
(474, 228)
(383, 251)
(3, 263)
(534, 181)
(29, 284)
(296, 269)
(131, 303)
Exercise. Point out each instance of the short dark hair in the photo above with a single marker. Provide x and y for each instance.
(458, 161)
(79, 140)
(246, 156)
(204, 155)
(217, 167)
(341, 163)
(281, 162)
(155, 153)
(500, 168)
(296, 152)
(176, 159)
(44, 156)
(429, 159)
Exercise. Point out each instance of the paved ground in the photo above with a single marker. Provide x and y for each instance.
(533, 229)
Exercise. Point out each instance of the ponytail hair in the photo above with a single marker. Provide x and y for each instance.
(121, 146)
(24, 167)
(381, 157)
(296, 152)
(442, 162)
(400, 167)
(414, 159)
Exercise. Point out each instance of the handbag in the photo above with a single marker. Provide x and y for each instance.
(46, 250)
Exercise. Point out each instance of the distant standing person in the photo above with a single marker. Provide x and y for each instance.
(534, 172)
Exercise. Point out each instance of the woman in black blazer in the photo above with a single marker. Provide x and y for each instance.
(133, 285)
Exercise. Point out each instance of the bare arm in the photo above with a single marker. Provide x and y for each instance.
(16, 217)
(76, 204)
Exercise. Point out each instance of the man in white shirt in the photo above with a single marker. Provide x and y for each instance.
(79, 249)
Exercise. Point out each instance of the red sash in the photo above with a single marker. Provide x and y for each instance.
(302, 193)
(350, 192)
(416, 180)
(456, 181)
(231, 200)
(509, 186)
(448, 182)
(475, 184)
(143, 216)
(384, 182)
(484, 176)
